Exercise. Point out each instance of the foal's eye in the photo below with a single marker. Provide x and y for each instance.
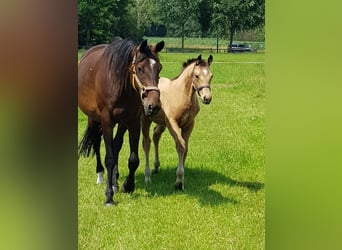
(196, 76)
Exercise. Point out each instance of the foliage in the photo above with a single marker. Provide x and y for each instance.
(100, 20)
(205, 11)
(179, 16)
(236, 15)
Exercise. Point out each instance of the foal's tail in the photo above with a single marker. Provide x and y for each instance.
(86, 144)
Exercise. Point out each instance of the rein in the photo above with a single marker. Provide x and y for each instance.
(137, 85)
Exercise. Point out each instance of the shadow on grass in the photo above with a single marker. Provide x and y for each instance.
(198, 184)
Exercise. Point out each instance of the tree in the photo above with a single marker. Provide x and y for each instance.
(176, 13)
(238, 15)
(99, 21)
(205, 11)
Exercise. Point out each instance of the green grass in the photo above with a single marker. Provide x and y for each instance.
(223, 204)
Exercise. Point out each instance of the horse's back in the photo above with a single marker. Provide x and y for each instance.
(92, 50)
(87, 69)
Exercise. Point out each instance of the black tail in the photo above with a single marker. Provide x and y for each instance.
(86, 144)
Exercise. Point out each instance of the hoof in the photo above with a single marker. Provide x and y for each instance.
(128, 188)
(115, 189)
(179, 186)
(109, 203)
(147, 179)
(155, 170)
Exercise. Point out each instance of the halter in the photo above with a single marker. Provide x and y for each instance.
(198, 89)
(137, 85)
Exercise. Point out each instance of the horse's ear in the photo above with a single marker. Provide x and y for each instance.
(199, 59)
(210, 59)
(160, 46)
(142, 46)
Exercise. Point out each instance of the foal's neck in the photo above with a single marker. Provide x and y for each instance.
(185, 82)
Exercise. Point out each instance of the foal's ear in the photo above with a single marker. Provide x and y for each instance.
(159, 46)
(210, 59)
(142, 46)
(199, 59)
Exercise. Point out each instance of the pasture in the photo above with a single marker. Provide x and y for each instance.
(223, 204)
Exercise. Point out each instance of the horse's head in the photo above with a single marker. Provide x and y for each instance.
(145, 75)
(202, 77)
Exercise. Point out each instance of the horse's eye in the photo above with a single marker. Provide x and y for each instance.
(196, 76)
(140, 69)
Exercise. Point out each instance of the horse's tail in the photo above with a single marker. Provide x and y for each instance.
(86, 144)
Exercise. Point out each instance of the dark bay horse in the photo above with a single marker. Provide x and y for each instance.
(116, 84)
(179, 109)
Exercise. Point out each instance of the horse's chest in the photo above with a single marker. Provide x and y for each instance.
(124, 113)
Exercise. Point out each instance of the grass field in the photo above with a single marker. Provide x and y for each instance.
(223, 205)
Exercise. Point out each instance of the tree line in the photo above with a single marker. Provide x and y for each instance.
(100, 20)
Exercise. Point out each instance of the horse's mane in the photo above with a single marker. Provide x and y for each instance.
(188, 62)
(119, 57)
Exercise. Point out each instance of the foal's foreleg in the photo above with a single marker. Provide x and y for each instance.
(186, 132)
(146, 142)
(180, 147)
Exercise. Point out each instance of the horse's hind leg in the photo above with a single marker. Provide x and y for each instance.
(157, 132)
(96, 138)
(146, 143)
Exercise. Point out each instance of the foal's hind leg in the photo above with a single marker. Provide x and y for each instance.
(157, 132)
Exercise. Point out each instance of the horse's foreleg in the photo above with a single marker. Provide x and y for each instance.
(107, 129)
(146, 142)
(133, 160)
(117, 145)
(180, 147)
(157, 132)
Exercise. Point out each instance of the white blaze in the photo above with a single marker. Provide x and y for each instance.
(205, 72)
(152, 62)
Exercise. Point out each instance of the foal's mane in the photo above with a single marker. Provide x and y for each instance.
(118, 56)
(188, 62)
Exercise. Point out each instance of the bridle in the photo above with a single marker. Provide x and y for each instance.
(137, 85)
(198, 89)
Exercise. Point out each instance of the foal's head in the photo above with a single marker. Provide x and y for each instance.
(145, 70)
(201, 78)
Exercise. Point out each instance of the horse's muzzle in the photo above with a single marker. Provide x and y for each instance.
(152, 109)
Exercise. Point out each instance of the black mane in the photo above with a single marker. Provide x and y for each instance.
(119, 58)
